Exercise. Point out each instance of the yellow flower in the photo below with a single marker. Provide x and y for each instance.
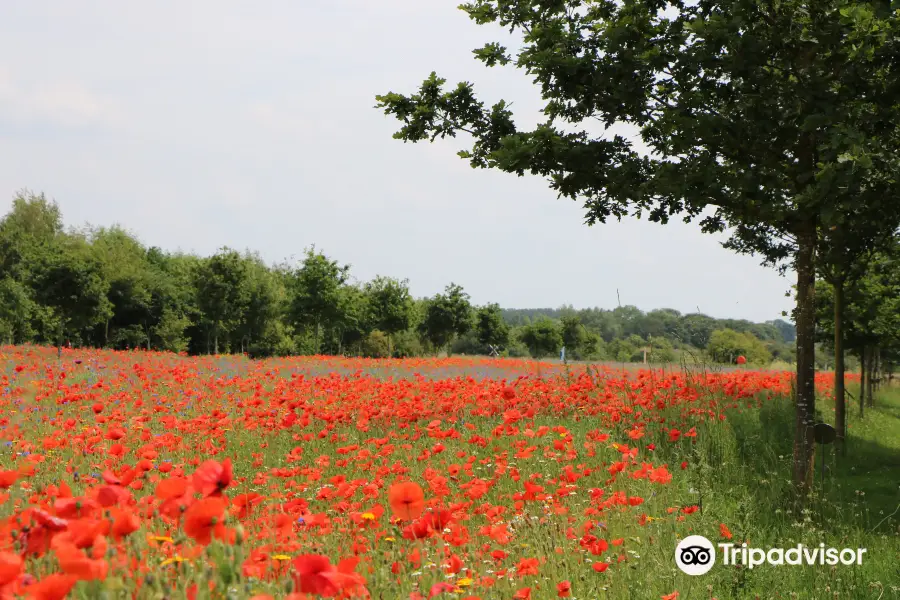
(368, 516)
(160, 538)
(280, 557)
(174, 559)
(465, 582)
(389, 539)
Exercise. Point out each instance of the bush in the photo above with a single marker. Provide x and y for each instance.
(662, 351)
(516, 349)
(376, 345)
(468, 344)
(406, 344)
(620, 350)
(725, 345)
(275, 341)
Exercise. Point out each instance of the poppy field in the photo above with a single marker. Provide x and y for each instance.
(144, 475)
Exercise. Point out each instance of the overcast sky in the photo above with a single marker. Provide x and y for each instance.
(198, 124)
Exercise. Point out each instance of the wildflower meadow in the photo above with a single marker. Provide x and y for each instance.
(152, 475)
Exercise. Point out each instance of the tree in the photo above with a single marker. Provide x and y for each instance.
(776, 119)
(490, 328)
(15, 312)
(871, 314)
(542, 337)
(845, 252)
(129, 273)
(787, 331)
(389, 306)
(446, 315)
(316, 292)
(69, 280)
(223, 292)
(175, 306)
(28, 230)
(266, 303)
(573, 333)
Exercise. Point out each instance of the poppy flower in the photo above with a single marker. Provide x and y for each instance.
(407, 500)
(52, 587)
(212, 477)
(8, 478)
(10, 567)
(314, 574)
(203, 520)
(75, 562)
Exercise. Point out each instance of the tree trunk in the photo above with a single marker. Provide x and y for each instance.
(879, 371)
(216, 341)
(840, 396)
(806, 366)
(870, 378)
(863, 370)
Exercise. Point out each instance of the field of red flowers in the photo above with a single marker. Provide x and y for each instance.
(140, 475)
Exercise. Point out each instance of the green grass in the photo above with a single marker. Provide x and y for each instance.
(746, 468)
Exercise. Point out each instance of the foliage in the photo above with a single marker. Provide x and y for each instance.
(490, 327)
(750, 119)
(135, 296)
(446, 315)
(316, 292)
(543, 337)
(389, 304)
(726, 345)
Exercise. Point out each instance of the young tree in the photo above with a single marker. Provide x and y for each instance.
(223, 292)
(316, 292)
(389, 305)
(542, 337)
(125, 266)
(773, 120)
(447, 315)
(573, 333)
(490, 328)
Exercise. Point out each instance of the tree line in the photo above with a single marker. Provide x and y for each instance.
(101, 287)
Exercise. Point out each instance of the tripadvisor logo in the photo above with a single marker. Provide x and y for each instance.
(696, 555)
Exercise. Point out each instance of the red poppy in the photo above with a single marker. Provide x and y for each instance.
(7, 478)
(407, 500)
(10, 567)
(212, 477)
(203, 520)
(52, 587)
(314, 574)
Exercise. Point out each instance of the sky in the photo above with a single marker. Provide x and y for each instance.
(198, 124)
